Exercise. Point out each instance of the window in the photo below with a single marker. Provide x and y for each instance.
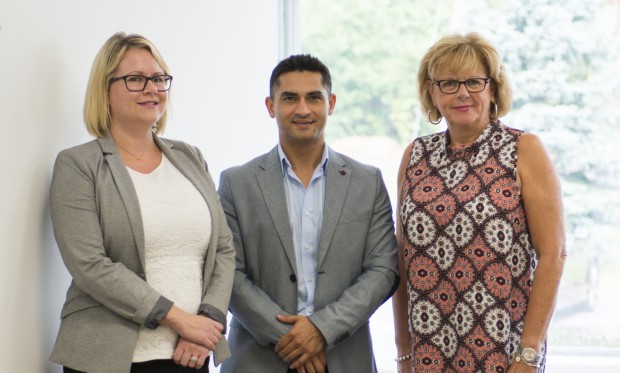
(562, 61)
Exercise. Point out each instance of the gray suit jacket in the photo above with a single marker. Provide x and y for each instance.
(98, 227)
(357, 266)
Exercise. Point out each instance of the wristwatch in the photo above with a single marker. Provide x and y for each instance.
(529, 356)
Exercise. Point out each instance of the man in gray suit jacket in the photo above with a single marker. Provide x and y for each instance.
(314, 236)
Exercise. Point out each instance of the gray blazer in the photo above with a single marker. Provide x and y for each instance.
(357, 266)
(98, 227)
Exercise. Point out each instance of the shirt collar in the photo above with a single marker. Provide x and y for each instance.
(286, 164)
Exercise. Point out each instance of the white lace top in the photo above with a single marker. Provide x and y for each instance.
(177, 229)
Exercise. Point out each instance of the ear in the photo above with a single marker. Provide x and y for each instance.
(332, 103)
(269, 105)
(494, 91)
(430, 87)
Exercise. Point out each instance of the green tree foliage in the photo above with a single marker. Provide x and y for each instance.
(372, 48)
(562, 58)
(563, 63)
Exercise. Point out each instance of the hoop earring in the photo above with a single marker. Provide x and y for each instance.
(428, 116)
(493, 110)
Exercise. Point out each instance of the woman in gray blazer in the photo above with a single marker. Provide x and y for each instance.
(140, 229)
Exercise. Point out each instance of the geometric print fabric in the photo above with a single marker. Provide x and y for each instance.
(467, 250)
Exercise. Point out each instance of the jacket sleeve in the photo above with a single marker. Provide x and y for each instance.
(250, 305)
(219, 286)
(79, 235)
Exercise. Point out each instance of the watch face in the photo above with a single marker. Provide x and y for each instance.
(529, 354)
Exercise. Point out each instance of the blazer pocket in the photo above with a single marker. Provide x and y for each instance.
(78, 304)
(353, 217)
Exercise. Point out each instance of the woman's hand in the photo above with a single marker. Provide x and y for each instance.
(187, 350)
(201, 330)
(521, 367)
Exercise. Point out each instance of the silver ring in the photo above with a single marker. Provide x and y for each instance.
(193, 358)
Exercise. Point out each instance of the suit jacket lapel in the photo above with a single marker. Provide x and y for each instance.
(272, 187)
(126, 190)
(336, 186)
(197, 176)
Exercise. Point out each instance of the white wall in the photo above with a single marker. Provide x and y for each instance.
(221, 54)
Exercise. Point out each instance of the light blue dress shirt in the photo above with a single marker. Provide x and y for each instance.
(305, 210)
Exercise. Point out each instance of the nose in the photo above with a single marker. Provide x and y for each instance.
(150, 87)
(462, 91)
(302, 107)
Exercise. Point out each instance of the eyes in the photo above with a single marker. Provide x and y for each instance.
(452, 84)
(472, 85)
(159, 79)
(312, 98)
(137, 83)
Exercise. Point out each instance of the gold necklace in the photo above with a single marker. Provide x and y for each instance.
(137, 156)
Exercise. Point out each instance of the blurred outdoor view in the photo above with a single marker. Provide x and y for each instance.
(563, 61)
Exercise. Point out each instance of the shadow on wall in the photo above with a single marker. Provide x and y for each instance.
(36, 279)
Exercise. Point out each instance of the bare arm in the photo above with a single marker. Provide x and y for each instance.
(540, 189)
(399, 299)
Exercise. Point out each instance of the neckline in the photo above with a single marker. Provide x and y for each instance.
(458, 152)
(154, 171)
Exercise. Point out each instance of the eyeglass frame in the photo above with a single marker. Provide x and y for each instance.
(146, 81)
(463, 82)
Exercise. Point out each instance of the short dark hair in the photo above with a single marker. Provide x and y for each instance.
(300, 62)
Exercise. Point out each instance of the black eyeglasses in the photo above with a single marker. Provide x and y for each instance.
(472, 85)
(137, 83)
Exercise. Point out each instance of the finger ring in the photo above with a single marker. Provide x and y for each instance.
(193, 358)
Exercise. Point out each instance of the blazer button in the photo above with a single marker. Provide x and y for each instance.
(293, 278)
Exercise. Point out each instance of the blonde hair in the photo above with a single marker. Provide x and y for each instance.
(96, 104)
(462, 53)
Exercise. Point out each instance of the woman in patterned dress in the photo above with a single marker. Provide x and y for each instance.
(480, 228)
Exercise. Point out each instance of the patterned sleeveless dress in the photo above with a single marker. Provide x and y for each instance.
(469, 256)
